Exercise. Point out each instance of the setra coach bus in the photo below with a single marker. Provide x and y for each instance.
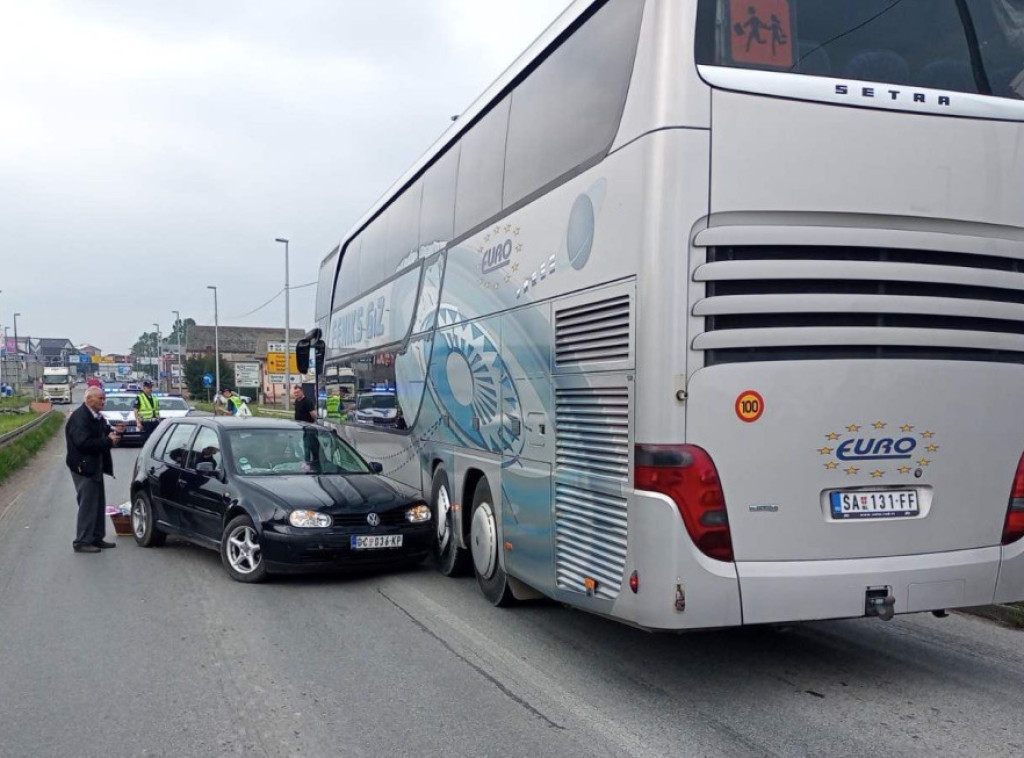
(711, 312)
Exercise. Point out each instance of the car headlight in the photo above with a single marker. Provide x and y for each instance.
(309, 519)
(417, 514)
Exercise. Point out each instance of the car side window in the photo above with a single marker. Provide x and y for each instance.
(206, 449)
(176, 450)
(161, 443)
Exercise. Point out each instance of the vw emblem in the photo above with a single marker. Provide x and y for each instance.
(373, 519)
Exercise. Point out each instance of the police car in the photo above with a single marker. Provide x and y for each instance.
(379, 408)
(120, 409)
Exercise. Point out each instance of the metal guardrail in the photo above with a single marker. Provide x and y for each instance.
(8, 438)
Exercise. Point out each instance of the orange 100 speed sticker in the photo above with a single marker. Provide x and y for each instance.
(749, 406)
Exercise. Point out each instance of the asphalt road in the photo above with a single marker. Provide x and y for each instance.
(156, 652)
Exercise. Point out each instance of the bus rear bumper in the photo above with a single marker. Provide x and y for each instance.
(782, 591)
(1010, 588)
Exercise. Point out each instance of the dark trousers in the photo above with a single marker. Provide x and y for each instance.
(92, 507)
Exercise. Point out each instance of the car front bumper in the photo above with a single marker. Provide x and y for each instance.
(288, 549)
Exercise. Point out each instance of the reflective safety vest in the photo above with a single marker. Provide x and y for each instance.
(149, 407)
(333, 405)
(233, 404)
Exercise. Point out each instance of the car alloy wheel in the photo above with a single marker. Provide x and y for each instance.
(243, 549)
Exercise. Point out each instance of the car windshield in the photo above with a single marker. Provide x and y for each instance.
(172, 404)
(119, 403)
(286, 452)
(55, 379)
(366, 402)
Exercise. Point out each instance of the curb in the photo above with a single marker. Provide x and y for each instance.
(1008, 615)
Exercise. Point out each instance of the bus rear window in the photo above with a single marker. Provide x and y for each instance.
(974, 46)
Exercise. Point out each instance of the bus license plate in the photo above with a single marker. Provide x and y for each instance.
(375, 541)
(877, 504)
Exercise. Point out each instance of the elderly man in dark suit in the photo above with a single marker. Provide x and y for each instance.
(89, 439)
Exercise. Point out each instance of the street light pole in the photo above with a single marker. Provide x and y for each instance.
(159, 355)
(17, 357)
(287, 335)
(216, 337)
(178, 326)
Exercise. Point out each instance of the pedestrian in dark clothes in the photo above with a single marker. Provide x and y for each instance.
(89, 439)
(305, 409)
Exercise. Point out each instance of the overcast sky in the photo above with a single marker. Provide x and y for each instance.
(150, 148)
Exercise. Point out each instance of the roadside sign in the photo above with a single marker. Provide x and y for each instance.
(247, 374)
(84, 359)
(207, 380)
(275, 363)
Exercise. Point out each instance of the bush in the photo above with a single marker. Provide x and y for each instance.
(19, 452)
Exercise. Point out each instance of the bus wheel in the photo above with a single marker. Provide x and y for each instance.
(451, 559)
(484, 543)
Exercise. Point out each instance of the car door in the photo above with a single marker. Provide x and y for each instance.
(204, 492)
(165, 474)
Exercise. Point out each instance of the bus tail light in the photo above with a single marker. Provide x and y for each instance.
(687, 474)
(1013, 529)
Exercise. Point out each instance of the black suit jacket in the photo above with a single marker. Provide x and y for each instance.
(88, 444)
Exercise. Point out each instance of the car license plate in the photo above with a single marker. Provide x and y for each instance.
(876, 504)
(375, 541)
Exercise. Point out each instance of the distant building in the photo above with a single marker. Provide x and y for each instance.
(244, 344)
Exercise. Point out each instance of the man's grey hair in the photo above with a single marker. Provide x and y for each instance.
(92, 392)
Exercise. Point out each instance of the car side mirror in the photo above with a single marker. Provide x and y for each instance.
(377, 468)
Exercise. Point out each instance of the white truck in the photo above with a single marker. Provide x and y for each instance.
(57, 384)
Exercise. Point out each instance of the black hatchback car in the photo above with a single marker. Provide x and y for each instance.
(273, 496)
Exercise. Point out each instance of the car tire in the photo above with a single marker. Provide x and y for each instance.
(241, 551)
(451, 559)
(484, 546)
(144, 527)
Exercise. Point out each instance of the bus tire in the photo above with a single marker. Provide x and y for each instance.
(484, 547)
(451, 559)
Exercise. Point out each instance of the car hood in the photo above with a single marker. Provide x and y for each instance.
(334, 494)
(173, 414)
(118, 415)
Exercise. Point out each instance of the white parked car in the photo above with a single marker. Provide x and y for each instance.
(173, 406)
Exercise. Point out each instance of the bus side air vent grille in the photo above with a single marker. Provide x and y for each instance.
(776, 302)
(595, 331)
(590, 540)
(592, 432)
(592, 465)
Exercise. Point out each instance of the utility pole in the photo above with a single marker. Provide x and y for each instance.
(159, 355)
(178, 326)
(216, 338)
(17, 356)
(287, 335)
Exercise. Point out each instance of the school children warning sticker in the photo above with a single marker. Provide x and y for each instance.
(749, 406)
(761, 33)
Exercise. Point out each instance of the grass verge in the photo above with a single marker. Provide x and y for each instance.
(11, 421)
(19, 452)
(1017, 615)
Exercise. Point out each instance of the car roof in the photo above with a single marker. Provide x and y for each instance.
(233, 422)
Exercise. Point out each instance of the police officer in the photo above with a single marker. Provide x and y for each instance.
(334, 404)
(231, 403)
(147, 410)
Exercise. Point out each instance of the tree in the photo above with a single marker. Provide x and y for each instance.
(145, 347)
(196, 367)
(182, 327)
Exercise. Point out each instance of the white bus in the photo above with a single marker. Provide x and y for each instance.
(711, 312)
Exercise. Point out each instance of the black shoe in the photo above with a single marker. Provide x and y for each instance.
(86, 549)
(104, 544)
